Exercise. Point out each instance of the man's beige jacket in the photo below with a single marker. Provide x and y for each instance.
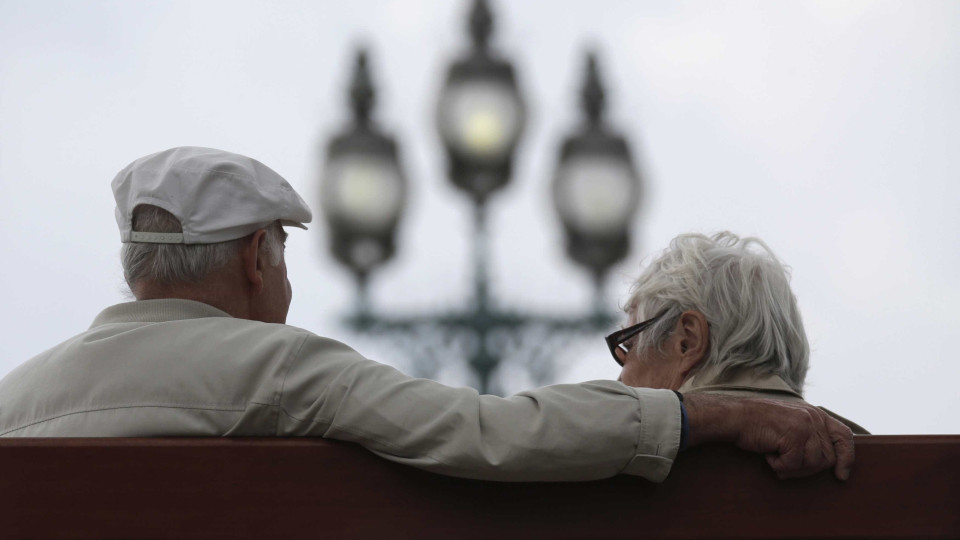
(182, 368)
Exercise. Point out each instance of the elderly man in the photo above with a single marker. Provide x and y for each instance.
(717, 316)
(204, 351)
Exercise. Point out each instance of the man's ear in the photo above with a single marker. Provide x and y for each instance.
(252, 261)
(694, 343)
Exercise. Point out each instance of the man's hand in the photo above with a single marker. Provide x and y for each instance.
(797, 438)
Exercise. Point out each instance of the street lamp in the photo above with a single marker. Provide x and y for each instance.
(480, 117)
(596, 189)
(363, 190)
(480, 114)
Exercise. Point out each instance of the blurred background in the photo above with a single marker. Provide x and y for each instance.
(828, 129)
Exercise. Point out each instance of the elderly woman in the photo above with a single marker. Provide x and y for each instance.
(715, 314)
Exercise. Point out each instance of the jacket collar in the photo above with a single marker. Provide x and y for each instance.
(706, 380)
(162, 310)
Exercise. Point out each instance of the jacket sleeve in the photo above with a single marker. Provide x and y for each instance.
(567, 432)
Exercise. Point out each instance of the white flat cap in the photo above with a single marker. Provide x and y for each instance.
(216, 195)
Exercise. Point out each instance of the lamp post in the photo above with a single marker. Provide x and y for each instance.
(596, 189)
(480, 114)
(363, 189)
(480, 117)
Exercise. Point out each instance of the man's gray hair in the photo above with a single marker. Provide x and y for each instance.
(183, 263)
(742, 289)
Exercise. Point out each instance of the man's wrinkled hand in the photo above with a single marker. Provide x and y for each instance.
(797, 438)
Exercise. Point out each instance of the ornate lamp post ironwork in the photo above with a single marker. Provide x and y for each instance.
(480, 117)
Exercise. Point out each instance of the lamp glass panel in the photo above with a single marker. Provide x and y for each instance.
(366, 253)
(365, 192)
(481, 119)
(596, 195)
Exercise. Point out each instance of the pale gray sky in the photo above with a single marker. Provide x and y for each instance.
(829, 129)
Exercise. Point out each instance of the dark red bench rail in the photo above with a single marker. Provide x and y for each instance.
(901, 487)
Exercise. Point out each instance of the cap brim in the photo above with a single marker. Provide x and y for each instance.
(287, 223)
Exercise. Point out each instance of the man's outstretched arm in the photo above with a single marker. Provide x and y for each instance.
(583, 431)
(797, 438)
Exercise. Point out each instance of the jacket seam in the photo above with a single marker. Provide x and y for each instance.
(278, 399)
(165, 406)
(642, 436)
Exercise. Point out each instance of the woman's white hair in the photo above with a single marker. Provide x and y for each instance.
(183, 263)
(744, 292)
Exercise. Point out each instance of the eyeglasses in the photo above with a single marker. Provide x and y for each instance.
(617, 339)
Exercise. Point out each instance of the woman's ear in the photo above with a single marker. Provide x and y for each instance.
(694, 334)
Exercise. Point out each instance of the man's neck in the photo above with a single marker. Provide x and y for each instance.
(212, 292)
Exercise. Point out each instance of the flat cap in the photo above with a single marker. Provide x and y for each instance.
(216, 195)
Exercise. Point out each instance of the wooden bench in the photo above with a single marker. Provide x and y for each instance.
(901, 487)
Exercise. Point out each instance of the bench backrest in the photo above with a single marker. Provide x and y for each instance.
(901, 487)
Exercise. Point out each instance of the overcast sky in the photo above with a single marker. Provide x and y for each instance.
(829, 129)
